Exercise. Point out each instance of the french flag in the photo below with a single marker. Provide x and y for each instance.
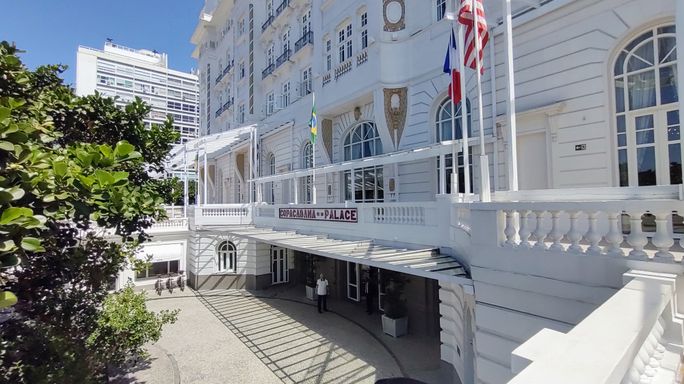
(451, 67)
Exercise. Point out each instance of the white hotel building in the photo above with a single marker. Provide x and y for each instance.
(562, 264)
(126, 73)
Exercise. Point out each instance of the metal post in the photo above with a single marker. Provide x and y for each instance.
(510, 100)
(204, 186)
(492, 81)
(186, 198)
(464, 119)
(485, 192)
(679, 24)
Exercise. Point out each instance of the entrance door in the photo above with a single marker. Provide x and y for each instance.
(655, 156)
(279, 269)
(353, 282)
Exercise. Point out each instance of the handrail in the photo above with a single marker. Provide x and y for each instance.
(307, 38)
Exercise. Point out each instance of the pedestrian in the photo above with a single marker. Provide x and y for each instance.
(322, 292)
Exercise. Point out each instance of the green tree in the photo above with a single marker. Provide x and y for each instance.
(72, 170)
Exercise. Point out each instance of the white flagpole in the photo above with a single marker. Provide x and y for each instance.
(185, 180)
(464, 117)
(454, 149)
(313, 153)
(510, 100)
(485, 194)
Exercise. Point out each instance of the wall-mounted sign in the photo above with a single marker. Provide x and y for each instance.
(345, 215)
(580, 147)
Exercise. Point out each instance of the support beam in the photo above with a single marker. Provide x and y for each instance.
(679, 23)
(510, 100)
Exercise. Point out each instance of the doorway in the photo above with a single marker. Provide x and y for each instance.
(279, 269)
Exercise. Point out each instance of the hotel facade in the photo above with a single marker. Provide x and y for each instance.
(550, 254)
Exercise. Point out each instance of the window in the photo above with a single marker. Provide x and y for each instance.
(646, 110)
(441, 9)
(306, 82)
(241, 26)
(443, 133)
(344, 43)
(270, 103)
(242, 69)
(226, 257)
(158, 268)
(286, 95)
(366, 184)
(241, 113)
(364, 30)
(306, 22)
(270, 186)
(269, 55)
(307, 181)
(286, 41)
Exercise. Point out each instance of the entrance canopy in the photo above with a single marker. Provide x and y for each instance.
(428, 263)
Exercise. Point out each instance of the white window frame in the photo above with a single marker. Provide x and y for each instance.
(366, 141)
(285, 97)
(226, 257)
(440, 9)
(307, 181)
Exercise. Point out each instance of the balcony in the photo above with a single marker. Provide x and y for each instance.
(224, 107)
(268, 22)
(303, 41)
(223, 214)
(224, 72)
(343, 68)
(283, 58)
(268, 70)
(282, 7)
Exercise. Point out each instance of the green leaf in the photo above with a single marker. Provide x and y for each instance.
(60, 168)
(12, 213)
(104, 177)
(123, 148)
(4, 113)
(10, 259)
(31, 244)
(7, 245)
(7, 299)
(6, 146)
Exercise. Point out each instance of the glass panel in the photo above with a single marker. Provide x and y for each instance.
(173, 266)
(352, 291)
(620, 94)
(668, 85)
(638, 40)
(621, 123)
(667, 49)
(675, 152)
(367, 149)
(641, 90)
(356, 151)
(641, 58)
(623, 168)
(378, 147)
(622, 140)
(347, 186)
(620, 63)
(358, 186)
(673, 117)
(160, 268)
(369, 184)
(644, 122)
(446, 111)
(380, 192)
(645, 137)
(347, 153)
(666, 29)
(646, 169)
(351, 272)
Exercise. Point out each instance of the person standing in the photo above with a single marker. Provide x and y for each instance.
(371, 291)
(322, 293)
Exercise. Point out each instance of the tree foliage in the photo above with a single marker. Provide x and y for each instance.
(72, 170)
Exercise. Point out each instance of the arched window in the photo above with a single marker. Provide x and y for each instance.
(226, 257)
(647, 110)
(443, 129)
(307, 181)
(363, 185)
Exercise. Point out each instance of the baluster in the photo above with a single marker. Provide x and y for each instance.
(524, 230)
(556, 234)
(614, 236)
(663, 238)
(509, 231)
(637, 239)
(539, 232)
(592, 235)
(574, 234)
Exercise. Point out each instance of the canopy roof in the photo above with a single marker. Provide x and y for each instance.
(210, 144)
(428, 263)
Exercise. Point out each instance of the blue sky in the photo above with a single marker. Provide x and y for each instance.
(50, 31)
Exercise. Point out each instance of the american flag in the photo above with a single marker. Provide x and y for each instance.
(466, 17)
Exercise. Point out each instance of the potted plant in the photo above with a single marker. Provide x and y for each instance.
(310, 277)
(395, 318)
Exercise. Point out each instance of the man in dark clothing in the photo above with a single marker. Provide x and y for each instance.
(371, 291)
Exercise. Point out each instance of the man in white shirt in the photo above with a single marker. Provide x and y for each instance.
(322, 293)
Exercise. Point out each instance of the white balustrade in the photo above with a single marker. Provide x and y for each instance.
(638, 229)
(398, 214)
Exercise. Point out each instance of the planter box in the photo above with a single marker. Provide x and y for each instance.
(310, 293)
(395, 327)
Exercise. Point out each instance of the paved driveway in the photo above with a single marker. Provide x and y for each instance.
(233, 337)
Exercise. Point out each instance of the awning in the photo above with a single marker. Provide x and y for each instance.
(210, 144)
(428, 263)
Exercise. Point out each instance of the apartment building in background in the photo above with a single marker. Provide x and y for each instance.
(126, 73)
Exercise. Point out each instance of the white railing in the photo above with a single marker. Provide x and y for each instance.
(641, 229)
(170, 225)
(223, 214)
(634, 337)
(398, 214)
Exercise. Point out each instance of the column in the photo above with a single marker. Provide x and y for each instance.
(510, 100)
(679, 23)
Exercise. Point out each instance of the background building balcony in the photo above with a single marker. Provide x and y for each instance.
(303, 41)
(268, 70)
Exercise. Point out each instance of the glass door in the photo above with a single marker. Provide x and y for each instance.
(353, 281)
(279, 269)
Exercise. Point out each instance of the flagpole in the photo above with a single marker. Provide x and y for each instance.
(313, 153)
(454, 151)
(464, 117)
(485, 194)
